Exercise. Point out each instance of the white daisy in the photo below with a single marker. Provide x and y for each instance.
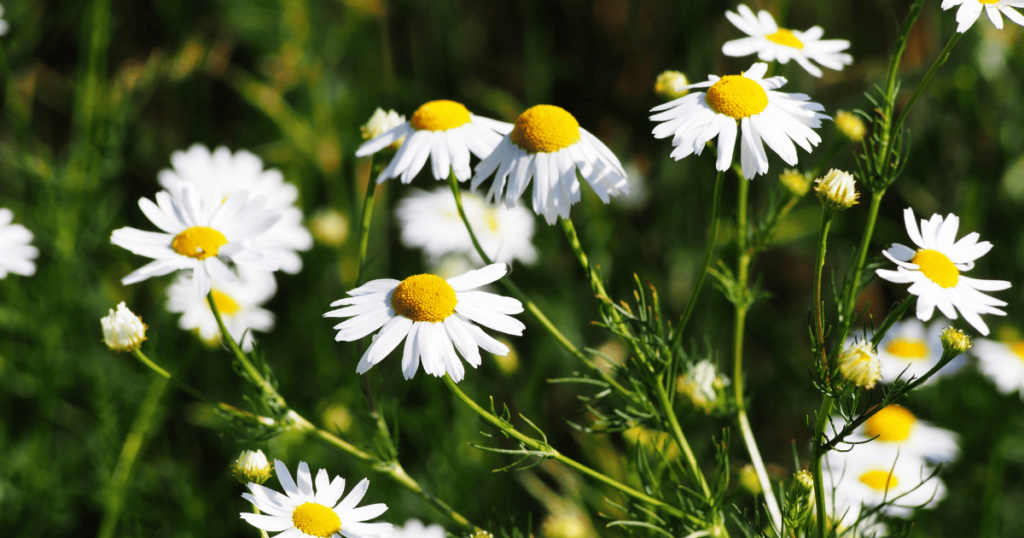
(909, 349)
(869, 476)
(747, 106)
(444, 131)
(548, 142)
(415, 529)
(430, 314)
(970, 10)
(240, 171)
(934, 271)
(897, 430)
(3, 24)
(772, 43)
(199, 229)
(430, 221)
(16, 250)
(302, 513)
(239, 304)
(1002, 362)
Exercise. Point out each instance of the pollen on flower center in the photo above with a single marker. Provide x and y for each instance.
(439, 116)
(892, 424)
(737, 96)
(198, 242)
(786, 38)
(225, 304)
(905, 348)
(424, 298)
(545, 129)
(937, 267)
(316, 520)
(989, 1)
(879, 480)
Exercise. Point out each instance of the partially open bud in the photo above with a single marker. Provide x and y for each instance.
(860, 366)
(123, 330)
(850, 126)
(381, 122)
(955, 342)
(804, 481)
(252, 467)
(702, 385)
(669, 85)
(795, 182)
(836, 190)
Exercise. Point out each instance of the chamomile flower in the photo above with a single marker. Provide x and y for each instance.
(1002, 362)
(414, 528)
(243, 171)
(301, 512)
(239, 304)
(772, 43)
(434, 316)
(970, 10)
(16, 250)
(896, 429)
(199, 228)
(934, 271)
(430, 221)
(444, 131)
(549, 144)
(746, 106)
(869, 476)
(909, 349)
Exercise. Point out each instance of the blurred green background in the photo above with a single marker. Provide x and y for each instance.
(97, 94)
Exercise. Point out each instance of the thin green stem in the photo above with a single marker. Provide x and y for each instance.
(846, 310)
(677, 432)
(365, 221)
(253, 373)
(939, 61)
(819, 266)
(826, 405)
(816, 455)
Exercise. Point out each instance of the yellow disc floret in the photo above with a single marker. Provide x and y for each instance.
(937, 267)
(316, 520)
(439, 116)
(737, 96)
(786, 38)
(424, 298)
(225, 304)
(879, 480)
(545, 129)
(198, 242)
(906, 348)
(891, 425)
(1018, 349)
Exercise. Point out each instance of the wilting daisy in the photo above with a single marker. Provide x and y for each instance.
(1002, 362)
(16, 251)
(896, 429)
(970, 10)
(772, 43)
(934, 270)
(243, 171)
(415, 529)
(239, 304)
(444, 131)
(869, 476)
(430, 314)
(199, 229)
(745, 106)
(909, 349)
(302, 513)
(549, 144)
(430, 221)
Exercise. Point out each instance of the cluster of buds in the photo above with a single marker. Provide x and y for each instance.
(860, 365)
(123, 330)
(836, 190)
(669, 85)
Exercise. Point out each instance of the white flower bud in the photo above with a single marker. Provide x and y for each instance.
(860, 365)
(252, 467)
(836, 190)
(955, 341)
(381, 122)
(669, 85)
(123, 330)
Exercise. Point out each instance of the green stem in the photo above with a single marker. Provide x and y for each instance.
(826, 405)
(816, 454)
(254, 374)
(846, 310)
(677, 432)
(819, 266)
(366, 220)
(939, 61)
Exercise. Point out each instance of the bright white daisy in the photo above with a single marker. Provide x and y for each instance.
(415, 529)
(199, 229)
(239, 303)
(745, 106)
(430, 314)
(430, 221)
(897, 430)
(302, 513)
(549, 144)
(243, 171)
(909, 349)
(16, 250)
(970, 10)
(869, 476)
(1002, 362)
(934, 270)
(444, 131)
(772, 43)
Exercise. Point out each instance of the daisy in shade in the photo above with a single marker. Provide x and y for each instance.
(434, 316)
(1002, 362)
(231, 173)
(909, 349)
(897, 430)
(772, 43)
(869, 476)
(239, 303)
(549, 144)
(16, 250)
(198, 229)
(934, 270)
(444, 131)
(302, 513)
(970, 10)
(746, 106)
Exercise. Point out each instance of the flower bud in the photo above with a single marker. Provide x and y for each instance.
(850, 126)
(482, 534)
(955, 342)
(836, 190)
(749, 480)
(329, 227)
(797, 506)
(669, 85)
(123, 330)
(701, 384)
(795, 182)
(381, 122)
(252, 467)
(804, 481)
(860, 365)
(567, 524)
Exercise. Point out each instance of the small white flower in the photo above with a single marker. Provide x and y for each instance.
(836, 190)
(123, 330)
(252, 467)
(239, 303)
(899, 431)
(970, 10)
(859, 364)
(772, 43)
(415, 529)
(381, 122)
(869, 476)
(701, 384)
(1003, 363)
(16, 250)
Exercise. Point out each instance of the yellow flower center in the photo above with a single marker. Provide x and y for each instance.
(545, 129)
(879, 480)
(491, 217)
(225, 304)
(424, 298)
(737, 96)
(906, 348)
(439, 116)
(989, 1)
(316, 520)
(937, 267)
(785, 38)
(1018, 348)
(198, 242)
(892, 424)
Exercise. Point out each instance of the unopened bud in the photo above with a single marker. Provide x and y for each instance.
(795, 182)
(482, 534)
(860, 366)
(381, 122)
(570, 524)
(850, 126)
(804, 481)
(252, 467)
(670, 85)
(798, 503)
(329, 227)
(836, 190)
(123, 330)
(749, 480)
(955, 341)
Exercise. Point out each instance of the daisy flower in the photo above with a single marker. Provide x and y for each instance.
(415, 529)
(897, 430)
(430, 314)
(430, 221)
(302, 513)
(198, 230)
(1002, 362)
(869, 476)
(772, 43)
(970, 10)
(909, 349)
(744, 105)
(239, 304)
(242, 171)
(444, 131)
(548, 142)
(934, 271)
(16, 251)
